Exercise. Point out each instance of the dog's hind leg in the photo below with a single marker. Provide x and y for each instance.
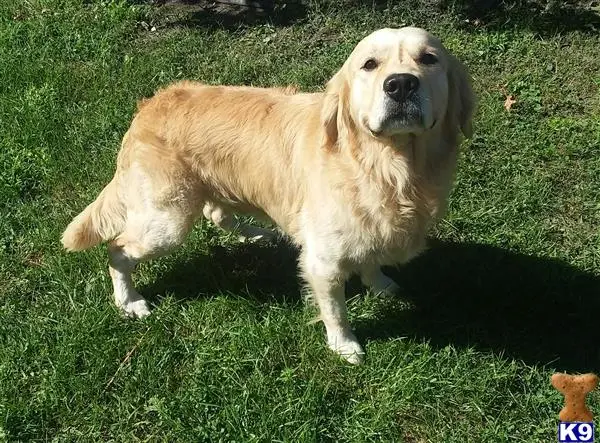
(148, 234)
(230, 223)
(122, 260)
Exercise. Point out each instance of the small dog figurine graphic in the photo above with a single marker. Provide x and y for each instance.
(575, 388)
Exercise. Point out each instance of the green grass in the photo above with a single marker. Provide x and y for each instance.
(508, 293)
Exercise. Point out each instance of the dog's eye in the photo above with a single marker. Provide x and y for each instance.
(370, 64)
(428, 59)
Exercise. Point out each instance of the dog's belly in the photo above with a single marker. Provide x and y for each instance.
(278, 215)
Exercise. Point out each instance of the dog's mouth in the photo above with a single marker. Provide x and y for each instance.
(405, 117)
(403, 121)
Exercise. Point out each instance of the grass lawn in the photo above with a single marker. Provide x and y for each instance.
(508, 293)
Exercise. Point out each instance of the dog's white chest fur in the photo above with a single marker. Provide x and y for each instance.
(374, 221)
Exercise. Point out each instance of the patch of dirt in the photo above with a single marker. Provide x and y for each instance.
(229, 14)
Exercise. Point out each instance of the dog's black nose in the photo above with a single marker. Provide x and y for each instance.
(400, 86)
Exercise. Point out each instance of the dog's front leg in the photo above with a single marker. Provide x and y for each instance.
(372, 277)
(327, 284)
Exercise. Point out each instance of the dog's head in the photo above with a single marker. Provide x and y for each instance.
(398, 81)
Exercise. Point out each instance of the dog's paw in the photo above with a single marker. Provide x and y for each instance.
(348, 348)
(384, 285)
(255, 234)
(261, 238)
(136, 309)
(378, 282)
(389, 288)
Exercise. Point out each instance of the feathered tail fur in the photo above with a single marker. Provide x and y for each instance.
(102, 220)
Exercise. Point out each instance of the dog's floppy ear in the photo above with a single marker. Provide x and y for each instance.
(461, 99)
(335, 93)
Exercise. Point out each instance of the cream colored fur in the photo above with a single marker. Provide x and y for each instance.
(351, 197)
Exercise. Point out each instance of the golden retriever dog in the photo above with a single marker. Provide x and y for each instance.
(354, 175)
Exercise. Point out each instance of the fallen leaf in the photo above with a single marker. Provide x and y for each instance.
(509, 102)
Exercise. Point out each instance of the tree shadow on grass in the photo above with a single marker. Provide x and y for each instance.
(544, 17)
(538, 310)
(228, 14)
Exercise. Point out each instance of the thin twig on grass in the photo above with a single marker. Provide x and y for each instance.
(125, 360)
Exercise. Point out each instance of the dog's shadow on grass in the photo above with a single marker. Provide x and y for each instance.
(264, 272)
(538, 310)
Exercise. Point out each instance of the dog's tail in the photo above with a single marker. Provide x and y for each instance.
(103, 219)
